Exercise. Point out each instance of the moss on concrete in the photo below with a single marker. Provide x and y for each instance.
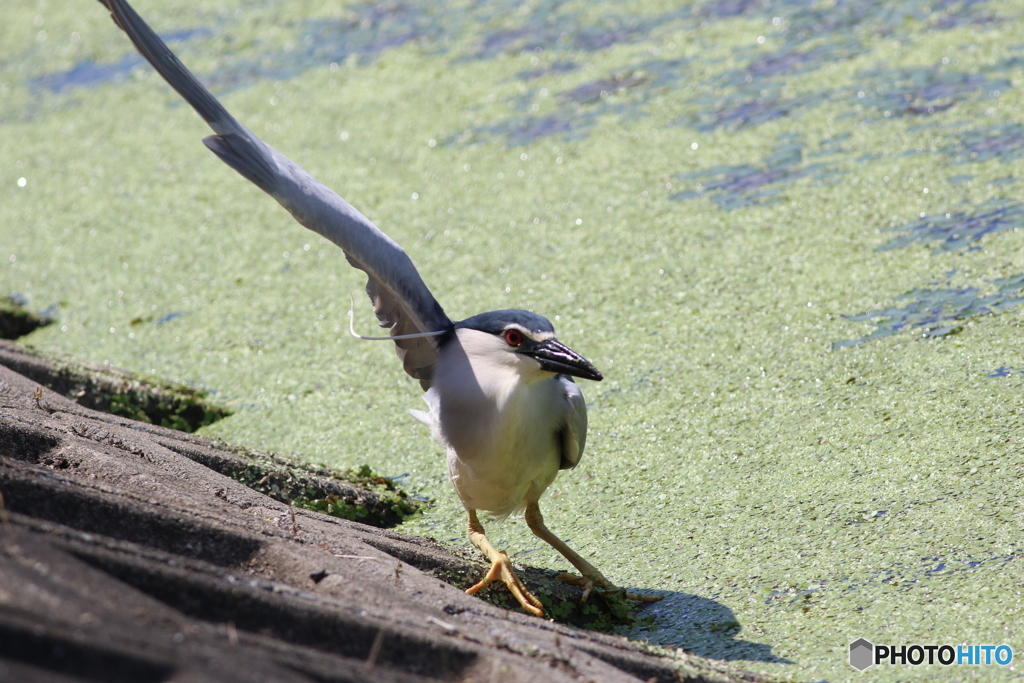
(115, 391)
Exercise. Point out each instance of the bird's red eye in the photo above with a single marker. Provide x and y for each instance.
(513, 337)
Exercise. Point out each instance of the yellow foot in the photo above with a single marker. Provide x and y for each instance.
(502, 567)
(588, 584)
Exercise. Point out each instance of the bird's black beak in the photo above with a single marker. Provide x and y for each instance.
(554, 356)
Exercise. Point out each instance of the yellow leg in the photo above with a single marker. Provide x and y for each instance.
(591, 576)
(501, 567)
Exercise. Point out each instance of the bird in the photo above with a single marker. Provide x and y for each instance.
(499, 385)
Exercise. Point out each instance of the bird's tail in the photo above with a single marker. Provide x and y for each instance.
(423, 416)
(234, 144)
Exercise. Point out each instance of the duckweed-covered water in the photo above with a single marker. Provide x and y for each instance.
(789, 234)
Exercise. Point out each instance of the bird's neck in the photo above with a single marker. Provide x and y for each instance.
(476, 372)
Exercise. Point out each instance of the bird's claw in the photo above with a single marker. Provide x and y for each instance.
(583, 582)
(604, 586)
(502, 568)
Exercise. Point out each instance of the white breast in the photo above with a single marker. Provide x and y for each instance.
(499, 418)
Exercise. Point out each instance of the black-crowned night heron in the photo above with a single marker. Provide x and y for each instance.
(499, 385)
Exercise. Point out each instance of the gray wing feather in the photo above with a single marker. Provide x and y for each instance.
(574, 432)
(400, 298)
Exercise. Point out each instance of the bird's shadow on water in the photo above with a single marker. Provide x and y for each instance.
(698, 626)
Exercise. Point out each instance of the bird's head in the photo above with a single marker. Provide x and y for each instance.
(529, 341)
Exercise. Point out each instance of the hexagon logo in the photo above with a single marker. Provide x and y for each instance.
(862, 654)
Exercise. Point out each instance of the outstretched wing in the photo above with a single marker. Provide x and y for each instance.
(573, 435)
(400, 298)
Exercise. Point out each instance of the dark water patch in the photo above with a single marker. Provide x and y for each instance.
(804, 36)
(1006, 371)
(975, 15)
(741, 111)
(807, 20)
(363, 32)
(938, 312)
(1004, 142)
(902, 576)
(619, 94)
(559, 67)
(809, 36)
(603, 87)
(790, 60)
(954, 231)
(921, 92)
(831, 146)
(782, 63)
(545, 34)
(513, 40)
(727, 9)
(89, 73)
(791, 596)
(592, 39)
(810, 20)
(168, 318)
(368, 30)
(524, 130)
(140, 320)
(754, 95)
(561, 26)
(907, 576)
(734, 187)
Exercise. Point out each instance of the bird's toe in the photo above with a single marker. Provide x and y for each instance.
(588, 584)
(502, 568)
